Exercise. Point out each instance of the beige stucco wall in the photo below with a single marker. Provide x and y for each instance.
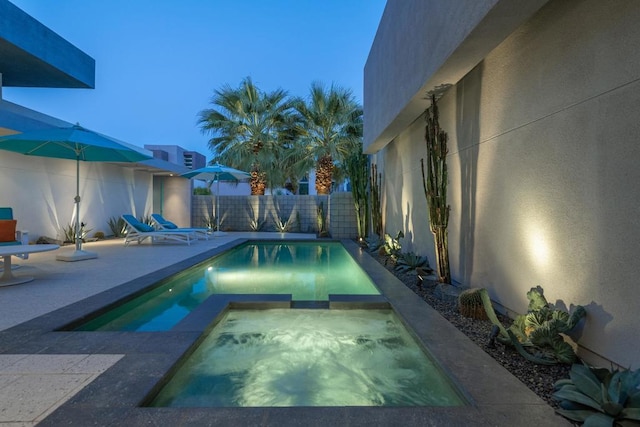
(543, 170)
(172, 199)
(41, 192)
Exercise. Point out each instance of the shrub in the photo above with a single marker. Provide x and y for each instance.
(201, 191)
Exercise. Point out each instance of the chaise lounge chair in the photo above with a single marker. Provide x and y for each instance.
(164, 224)
(139, 231)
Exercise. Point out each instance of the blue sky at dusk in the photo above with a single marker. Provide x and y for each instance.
(159, 61)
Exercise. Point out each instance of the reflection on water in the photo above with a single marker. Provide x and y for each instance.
(308, 358)
(309, 271)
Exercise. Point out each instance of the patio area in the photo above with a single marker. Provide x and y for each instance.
(101, 378)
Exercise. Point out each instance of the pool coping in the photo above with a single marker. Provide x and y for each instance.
(496, 397)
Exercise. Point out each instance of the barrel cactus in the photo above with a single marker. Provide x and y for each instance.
(470, 304)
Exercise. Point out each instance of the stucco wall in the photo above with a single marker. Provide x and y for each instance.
(172, 199)
(543, 175)
(41, 192)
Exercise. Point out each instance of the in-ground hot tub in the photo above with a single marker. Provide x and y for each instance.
(308, 357)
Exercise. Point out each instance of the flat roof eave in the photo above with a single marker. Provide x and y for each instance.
(32, 55)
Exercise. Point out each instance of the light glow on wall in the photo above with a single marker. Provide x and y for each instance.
(538, 245)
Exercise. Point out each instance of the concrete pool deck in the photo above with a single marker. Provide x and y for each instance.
(50, 377)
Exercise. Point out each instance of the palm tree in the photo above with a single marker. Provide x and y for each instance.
(250, 130)
(331, 129)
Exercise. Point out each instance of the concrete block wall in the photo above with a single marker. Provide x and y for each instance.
(238, 212)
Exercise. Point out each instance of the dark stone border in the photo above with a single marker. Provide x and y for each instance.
(115, 397)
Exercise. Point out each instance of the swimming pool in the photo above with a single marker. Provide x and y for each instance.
(309, 271)
(303, 357)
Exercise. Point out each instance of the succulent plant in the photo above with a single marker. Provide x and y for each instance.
(70, 232)
(410, 261)
(374, 243)
(542, 330)
(470, 304)
(392, 246)
(599, 397)
(118, 226)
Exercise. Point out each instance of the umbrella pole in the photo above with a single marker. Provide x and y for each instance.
(77, 200)
(78, 254)
(218, 232)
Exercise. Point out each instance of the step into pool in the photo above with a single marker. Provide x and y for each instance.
(288, 357)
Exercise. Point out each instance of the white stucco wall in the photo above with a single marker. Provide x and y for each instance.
(543, 175)
(41, 192)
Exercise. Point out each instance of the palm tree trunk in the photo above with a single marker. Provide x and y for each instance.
(324, 170)
(257, 183)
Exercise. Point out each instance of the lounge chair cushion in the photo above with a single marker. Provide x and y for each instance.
(145, 228)
(140, 226)
(169, 225)
(8, 230)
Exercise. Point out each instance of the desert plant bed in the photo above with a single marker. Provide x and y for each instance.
(539, 378)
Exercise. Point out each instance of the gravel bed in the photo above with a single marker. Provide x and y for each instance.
(539, 378)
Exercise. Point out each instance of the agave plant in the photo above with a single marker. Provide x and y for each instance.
(146, 219)
(599, 397)
(211, 222)
(284, 225)
(70, 232)
(540, 334)
(392, 246)
(410, 261)
(256, 224)
(118, 226)
(374, 243)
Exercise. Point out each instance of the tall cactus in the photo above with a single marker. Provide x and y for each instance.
(357, 167)
(376, 203)
(435, 188)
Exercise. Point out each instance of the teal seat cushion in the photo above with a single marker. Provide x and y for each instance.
(13, 243)
(145, 228)
(169, 225)
(140, 226)
(6, 213)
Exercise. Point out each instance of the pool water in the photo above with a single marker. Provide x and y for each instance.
(302, 357)
(309, 271)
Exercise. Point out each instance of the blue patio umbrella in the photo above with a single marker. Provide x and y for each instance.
(74, 143)
(217, 173)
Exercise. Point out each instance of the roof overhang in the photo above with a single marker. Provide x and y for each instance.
(32, 55)
(157, 167)
(421, 46)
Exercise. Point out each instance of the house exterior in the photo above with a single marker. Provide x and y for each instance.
(540, 100)
(41, 190)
